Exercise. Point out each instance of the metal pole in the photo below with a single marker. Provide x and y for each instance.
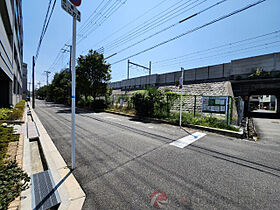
(194, 108)
(69, 89)
(181, 104)
(150, 68)
(128, 69)
(226, 113)
(70, 58)
(73, 90)
(33, 83)
(29, 83)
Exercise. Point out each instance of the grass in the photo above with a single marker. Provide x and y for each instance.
(187, 119)
(213, 122)
(121, 110)
(6, 135)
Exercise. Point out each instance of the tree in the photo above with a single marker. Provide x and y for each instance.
(59, 90)
(41, 92)
(92, 75)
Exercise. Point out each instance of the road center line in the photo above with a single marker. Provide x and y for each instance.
(185, 141)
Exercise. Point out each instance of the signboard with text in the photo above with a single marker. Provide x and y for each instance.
(214, 104)
(71, 9)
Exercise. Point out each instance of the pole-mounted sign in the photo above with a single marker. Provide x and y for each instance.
(76, 2)
(75, 13)
(71, 9)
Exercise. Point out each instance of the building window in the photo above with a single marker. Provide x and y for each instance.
(15, 85)
(6, 21)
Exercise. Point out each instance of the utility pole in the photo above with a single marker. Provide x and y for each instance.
(128, 69)
(70, 51)
(47, 74)
(33, 83)
(29, 83)
(150, 67)
(181, 84)
(39, 83)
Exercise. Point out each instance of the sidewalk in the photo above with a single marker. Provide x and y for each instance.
(69, 190)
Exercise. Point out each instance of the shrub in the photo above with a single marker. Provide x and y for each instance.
(99, 104)
(259, 73)
(17, 112)
(12, 182)
(153, 103)
(188, 118)
(82, 102)
(4, 113)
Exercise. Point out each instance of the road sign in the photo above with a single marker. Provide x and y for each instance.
(76, 2)
(72, 10)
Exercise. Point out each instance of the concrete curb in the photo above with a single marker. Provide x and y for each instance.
(235, 134)
(71, 194)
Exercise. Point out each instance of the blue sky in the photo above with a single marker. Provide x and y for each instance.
(261, 19)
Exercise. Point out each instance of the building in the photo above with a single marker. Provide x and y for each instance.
(24, 81)
(11, 52)
(267, 102)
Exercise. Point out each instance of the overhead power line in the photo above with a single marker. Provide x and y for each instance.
(133, 21)
(152, 23)
(103, 11)
(45, 26)
(193, 30)
(171, 26)
(106, 11)
(224, 53)
(231, 44)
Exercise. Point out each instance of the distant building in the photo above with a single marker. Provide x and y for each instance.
(24, 81)
(263, 102)
(11, 52)
(267, 102)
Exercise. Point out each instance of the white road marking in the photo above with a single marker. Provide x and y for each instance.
(187, 140)
(113, 118)
(151, 127)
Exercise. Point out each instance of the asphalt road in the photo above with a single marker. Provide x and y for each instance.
(268, 130)
(121, 162)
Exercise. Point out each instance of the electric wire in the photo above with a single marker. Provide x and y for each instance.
(171, 26)
(193, 30)
(236, 51)
(151, 23)
(133, 21)
(231, 44)
(45, 26)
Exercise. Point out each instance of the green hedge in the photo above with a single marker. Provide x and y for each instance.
(17, 112)
(152, 103)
